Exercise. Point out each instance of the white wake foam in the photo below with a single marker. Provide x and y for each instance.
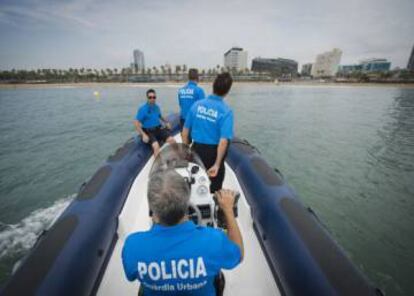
(20, 237)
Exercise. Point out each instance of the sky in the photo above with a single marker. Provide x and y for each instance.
(101, 34)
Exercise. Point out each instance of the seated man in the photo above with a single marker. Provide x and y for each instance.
(148, 123)
(176, 257)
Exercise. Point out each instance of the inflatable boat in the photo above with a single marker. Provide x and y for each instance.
(287, 250)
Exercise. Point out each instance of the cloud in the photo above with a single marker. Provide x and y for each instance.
(43, 15)
(104, 33)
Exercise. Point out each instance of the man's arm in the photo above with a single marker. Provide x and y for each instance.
(221, 150)
(184, 136)
(188, 123)
(226, 134)
(165, 121)
(128, 262)
(162, 118)
(138, 127)
(226, 199)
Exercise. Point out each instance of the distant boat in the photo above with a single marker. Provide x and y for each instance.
(287, 250)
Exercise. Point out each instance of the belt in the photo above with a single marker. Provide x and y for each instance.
(206, 145)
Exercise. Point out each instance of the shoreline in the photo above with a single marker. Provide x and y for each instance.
(147, 84)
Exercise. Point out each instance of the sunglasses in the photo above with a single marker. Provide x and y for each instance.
(152, 97)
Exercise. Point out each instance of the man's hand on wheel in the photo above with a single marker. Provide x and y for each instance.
(225, 198)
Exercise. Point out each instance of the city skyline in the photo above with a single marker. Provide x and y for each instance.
(50, 34)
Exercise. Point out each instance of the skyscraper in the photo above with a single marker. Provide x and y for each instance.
(235, 59)
(306, 69)
(410, 65)
(326, 64)
(139, 63)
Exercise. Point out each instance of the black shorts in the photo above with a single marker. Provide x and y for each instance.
(157, 134)
(208, 154)
(182, 121)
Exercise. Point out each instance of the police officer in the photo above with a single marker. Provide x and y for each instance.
(148, 123)
(188, 95)
(175, 256)
(211, 124)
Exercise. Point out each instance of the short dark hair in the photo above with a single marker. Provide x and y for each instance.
(150, 91)
(193, 74)
(222, 84)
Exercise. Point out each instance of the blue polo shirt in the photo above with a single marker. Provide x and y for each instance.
(188, 95)
(149, 115)
(178, 260)
(210, 120)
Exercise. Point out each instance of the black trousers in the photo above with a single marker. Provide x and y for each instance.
(208, 154)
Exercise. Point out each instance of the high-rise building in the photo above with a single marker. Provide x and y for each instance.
(235, 59)
(366, 66)
(375, 65)
(410, 65)
(306, 69)
(139, 63)
(349, 69)
(277, 67)
(326, 64)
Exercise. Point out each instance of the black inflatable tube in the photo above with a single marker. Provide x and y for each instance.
(306, 260)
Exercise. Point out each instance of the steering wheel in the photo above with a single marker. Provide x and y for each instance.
(196, 213)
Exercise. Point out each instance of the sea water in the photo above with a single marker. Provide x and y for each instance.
(348, 151)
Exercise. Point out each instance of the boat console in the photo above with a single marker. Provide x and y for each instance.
(203, 207)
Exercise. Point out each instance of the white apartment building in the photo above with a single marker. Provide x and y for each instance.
(235, 59)
(327, 63)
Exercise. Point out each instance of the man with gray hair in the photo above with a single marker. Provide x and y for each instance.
(176, 257)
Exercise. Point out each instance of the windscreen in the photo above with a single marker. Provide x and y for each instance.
(175, 156)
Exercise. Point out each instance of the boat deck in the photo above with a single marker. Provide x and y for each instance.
(252, 277)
